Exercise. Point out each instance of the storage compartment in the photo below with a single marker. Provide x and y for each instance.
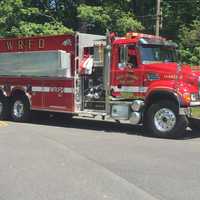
(94, 93)
(39, 63)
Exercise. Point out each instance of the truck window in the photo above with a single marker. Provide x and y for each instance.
(127, 56)
(122, 56)
(157, 53)
(99, 54)
(131, 57)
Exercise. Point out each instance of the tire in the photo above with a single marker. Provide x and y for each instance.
(163, 120)
(20, 109)
(194, 124)
(4, 108)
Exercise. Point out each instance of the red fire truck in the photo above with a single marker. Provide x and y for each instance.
(135, 78)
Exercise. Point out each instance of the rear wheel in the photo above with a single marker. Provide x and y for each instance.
(163, 120)
(4, 108)
(20, 109)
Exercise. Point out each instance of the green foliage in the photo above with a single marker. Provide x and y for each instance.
(39, 17)
(30, 29)
(127, 22)
(18, 19)
(94, 17)
(190, 43)
(106, 17)
(177, 14)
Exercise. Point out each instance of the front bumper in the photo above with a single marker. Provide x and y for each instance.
(196, 103)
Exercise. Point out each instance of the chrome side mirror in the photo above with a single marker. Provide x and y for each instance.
(121, 65)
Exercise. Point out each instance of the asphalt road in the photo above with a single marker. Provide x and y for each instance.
(62, 159)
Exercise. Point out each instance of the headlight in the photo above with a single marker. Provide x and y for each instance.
(187, 97)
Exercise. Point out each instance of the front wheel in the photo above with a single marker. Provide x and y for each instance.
(163, 120)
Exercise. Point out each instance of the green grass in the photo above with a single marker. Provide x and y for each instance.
(196, 112)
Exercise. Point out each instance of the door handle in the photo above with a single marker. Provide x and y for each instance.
(145, 81)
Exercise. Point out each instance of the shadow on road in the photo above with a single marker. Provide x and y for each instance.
(63, 120)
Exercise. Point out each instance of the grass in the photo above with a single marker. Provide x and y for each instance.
(196, 112)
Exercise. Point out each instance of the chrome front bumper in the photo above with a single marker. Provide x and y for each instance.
(197, 103)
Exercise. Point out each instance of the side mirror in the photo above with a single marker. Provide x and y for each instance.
(121, 65)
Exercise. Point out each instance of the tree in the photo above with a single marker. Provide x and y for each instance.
(18, 18)
(177, 14)
(96, 19)
(190, 43)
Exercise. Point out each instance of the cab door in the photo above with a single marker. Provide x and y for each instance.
(126, 73)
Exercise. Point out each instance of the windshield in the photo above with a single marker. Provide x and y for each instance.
(157, 53)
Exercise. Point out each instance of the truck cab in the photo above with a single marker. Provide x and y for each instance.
(145, 74)
(137, 79)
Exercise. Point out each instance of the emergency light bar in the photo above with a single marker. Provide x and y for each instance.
(132, 35)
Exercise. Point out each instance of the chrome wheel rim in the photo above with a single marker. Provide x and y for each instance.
(165, 120)
(18, 109)
(1, 107)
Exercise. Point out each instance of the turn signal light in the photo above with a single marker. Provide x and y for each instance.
(187, 98)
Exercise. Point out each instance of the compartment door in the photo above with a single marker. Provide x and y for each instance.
(59, 95)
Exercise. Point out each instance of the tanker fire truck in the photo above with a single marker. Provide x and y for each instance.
(135, 78)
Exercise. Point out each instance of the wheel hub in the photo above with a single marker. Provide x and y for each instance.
(18, 109)
(1, 107)
(165, 120)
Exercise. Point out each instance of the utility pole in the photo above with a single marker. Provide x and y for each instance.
(158, 16)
